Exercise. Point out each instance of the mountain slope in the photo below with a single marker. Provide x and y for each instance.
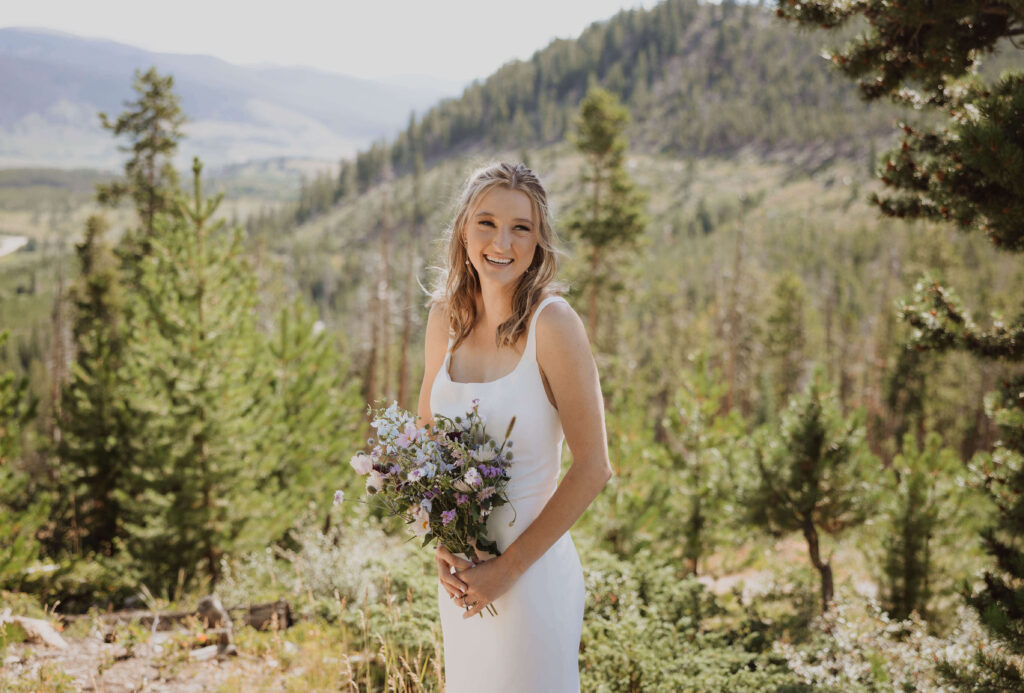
(54, 85)
(700, 80)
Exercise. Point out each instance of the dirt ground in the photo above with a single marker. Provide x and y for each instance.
(89, 664)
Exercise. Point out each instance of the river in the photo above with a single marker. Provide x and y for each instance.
(8, 244)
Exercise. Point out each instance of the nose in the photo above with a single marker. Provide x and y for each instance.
(503, 239)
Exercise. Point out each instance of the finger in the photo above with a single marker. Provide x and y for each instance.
(479, 606)
(461, 563)
(454, 583)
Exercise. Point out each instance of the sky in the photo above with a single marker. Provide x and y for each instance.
(451, 40)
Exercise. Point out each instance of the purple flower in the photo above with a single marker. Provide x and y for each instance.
(476, 401)
(461, 498)
(486, 493)
(447, 516)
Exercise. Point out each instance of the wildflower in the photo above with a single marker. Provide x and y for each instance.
(447, 516)
(485, 453)
(339, 496)
(472, 477)
(420, 521)
(374, 483)
(408, 436)
(461, 498)
(485, 493)
(361, 463)
(427, 504)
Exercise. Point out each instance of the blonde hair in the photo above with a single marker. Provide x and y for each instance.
(458, 284)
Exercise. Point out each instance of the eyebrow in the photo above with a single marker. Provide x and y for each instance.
(491, 214)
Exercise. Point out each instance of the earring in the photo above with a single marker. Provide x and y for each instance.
(467, 262)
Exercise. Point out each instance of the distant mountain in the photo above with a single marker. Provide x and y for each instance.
(54, 84)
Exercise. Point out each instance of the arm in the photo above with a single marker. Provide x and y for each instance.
(434, 347)
(564, 355)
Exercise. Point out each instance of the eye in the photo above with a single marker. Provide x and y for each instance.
(486, 222)
(520, 227)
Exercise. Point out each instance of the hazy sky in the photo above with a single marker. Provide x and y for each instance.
(450, 39)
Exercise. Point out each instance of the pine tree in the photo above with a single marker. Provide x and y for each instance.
(699, 443)
(785, 335)
(197, 372)
(922, 503)
(97, 424)
(610, 216)
(152, 123)
(968, 172)
(314, 418)
(22, 511)
(812, 475)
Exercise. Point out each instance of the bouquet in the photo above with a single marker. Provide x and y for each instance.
(443, 480)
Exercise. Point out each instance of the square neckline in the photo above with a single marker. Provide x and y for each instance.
(522, 357)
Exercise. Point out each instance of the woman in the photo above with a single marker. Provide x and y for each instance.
(497, 333)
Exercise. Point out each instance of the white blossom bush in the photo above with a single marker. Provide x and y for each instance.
(356, 562)
(857, 647)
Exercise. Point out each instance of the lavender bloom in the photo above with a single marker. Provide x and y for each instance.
(461, 498)
(339, 497)
(486, 493)
(447, 516)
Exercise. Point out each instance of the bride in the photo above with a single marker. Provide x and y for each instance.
(499, 335)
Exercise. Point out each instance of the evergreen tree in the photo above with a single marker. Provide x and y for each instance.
(97, 425)
(22, 512)
(700, 447)
(611, 215)
(786, 337)
(152, 123)
(921, 505)
(197, 373)
(812, 475)
(968, 172)
(314, 418)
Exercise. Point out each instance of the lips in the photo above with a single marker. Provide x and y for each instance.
(498, 261)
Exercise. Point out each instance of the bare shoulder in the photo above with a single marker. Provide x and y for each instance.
(436, 337)
(560, 334)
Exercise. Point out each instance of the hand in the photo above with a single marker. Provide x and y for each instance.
(486, 582)
(447, 564)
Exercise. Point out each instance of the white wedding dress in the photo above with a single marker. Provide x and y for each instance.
(532, 645)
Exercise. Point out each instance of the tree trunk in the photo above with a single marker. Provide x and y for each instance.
(385, 305)
(403, 366)
(595, 261)
(823, 567)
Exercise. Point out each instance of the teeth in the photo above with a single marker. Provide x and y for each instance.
(503, 261)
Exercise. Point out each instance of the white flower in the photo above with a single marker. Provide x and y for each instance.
(420, 521)
(429, 469)
(485, 453)
(374, 482)
(427, 504)
(415, 475)
(472, 477)
(339, 497)
(363, 464)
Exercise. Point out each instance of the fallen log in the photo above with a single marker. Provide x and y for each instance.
(260, 616)
(36, 630)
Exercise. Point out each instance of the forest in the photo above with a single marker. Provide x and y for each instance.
(793, 231)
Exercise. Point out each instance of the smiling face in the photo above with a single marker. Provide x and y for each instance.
(501, 236)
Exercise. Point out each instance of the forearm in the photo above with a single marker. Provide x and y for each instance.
(578, 489)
